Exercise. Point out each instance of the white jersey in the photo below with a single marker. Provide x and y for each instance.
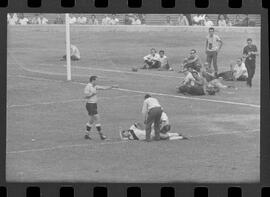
(74, 51)
(140, 135)
(240, 70)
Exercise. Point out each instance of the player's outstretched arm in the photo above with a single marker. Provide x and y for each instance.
(99, 87)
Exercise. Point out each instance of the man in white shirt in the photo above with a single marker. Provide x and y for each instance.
(152, 113)
(164, 64)
(240, 71)
(82, 20)
(74, 54)
(106, 20)
(136, 21)
(72, 19)
(23, 21)
(151, 60)
(212, 48)
(44, 21)
(114, 20)
(208, 22)
(90, 91)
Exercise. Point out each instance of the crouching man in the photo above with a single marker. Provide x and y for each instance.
(136, 131)
(74, 54)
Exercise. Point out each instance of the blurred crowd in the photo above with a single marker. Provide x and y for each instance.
(133, 19)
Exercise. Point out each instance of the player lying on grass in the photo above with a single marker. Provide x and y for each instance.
(136, 131)
(90, 92)
(194, 84)
(209, 75)
(237, 72)
(74, 54)
(192, 61)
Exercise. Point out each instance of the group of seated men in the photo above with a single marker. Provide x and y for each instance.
(156, 60)
(201, 80)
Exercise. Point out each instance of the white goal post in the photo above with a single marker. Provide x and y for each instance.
(68, 48)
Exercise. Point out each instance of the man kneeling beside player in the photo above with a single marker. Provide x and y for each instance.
(136, 132)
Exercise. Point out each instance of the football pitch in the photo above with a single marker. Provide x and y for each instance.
(46, 115)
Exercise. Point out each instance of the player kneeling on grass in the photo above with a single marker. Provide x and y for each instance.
(74, 54)
(151, 60)
(237, 72)
(136, 131)
(91, 105)
(164, 64)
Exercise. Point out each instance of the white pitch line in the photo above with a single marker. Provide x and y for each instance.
(117, 142)
(168, 95)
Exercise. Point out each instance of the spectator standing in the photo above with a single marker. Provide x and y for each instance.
(212, 48)
(250, 52)
(228, 22)
(182, 20)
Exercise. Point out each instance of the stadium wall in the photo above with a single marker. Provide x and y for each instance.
(137, 28)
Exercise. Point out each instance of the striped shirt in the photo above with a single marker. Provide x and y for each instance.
(213, 43)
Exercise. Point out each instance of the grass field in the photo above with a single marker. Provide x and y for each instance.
(224, 129)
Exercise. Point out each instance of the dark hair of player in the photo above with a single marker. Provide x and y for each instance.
(153, 49)
(211, 29)
(249, 39)
(193, 50)
(161, 51)
(147, 96)
(92, 78)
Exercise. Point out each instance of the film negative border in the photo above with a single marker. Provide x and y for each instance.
(112, 189)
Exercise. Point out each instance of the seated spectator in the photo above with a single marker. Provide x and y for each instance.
(228, 22)
(192, 61)
(34, 20)
(168, 21)
(72, 19)
(236, 21)
(136, 21)
(74, 54)
(237, 72)
(208, 22)
(164, 64)
(196, 20)
(127, 20)
(151, 60)
(13, 20)
(59, 19)
(182, 20)
(114, 20)
(106, 20)
(23, 20)
(81, 20)
(221, 21)
(192, 84)
(44, 21)
(142, 18)
(93, 20)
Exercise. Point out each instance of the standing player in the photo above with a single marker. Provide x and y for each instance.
(91, 106)
(212, 48)
(152, 113)
(250, 52)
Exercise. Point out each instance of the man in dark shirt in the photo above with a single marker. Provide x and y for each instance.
(250, 52)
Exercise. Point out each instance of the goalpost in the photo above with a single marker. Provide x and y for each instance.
(68, 47)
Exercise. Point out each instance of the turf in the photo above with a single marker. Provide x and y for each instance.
(223, 129)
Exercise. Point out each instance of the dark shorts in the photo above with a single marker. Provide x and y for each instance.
(91, 109)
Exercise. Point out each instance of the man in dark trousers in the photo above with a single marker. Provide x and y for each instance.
(152, 113)
(250, 52)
